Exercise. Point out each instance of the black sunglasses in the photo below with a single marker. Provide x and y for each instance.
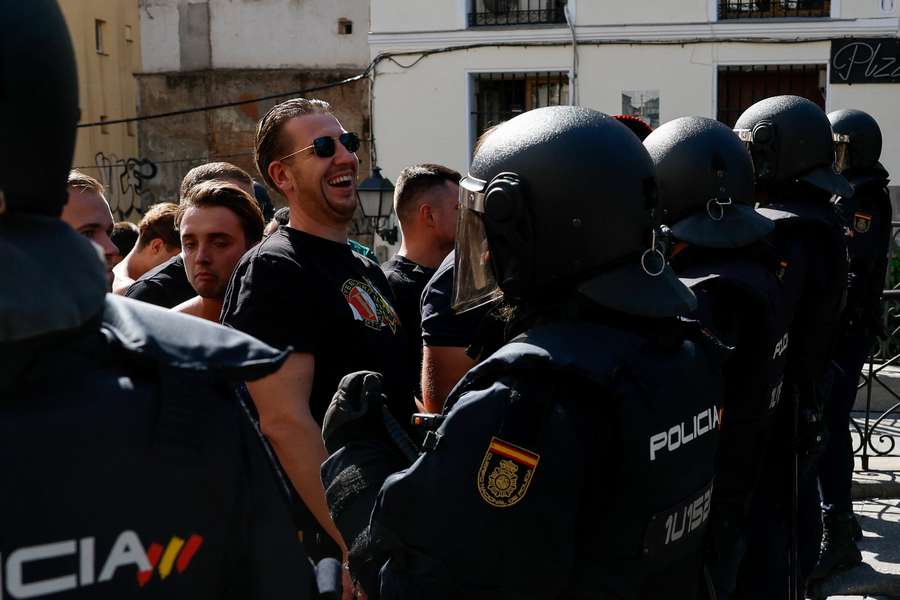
(324, 146)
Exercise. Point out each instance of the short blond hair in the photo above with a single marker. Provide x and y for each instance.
(84, 182)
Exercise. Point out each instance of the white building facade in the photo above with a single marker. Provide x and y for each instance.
(450, 68)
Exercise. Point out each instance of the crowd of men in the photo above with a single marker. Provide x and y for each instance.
(609, 362)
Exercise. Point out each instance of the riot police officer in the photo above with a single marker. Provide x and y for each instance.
(790, 142)
(868, 215)
(576, 461)
(129, 467)
(718, 247)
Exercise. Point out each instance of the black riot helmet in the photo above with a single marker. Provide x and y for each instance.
(790, 138)
(857, 139)
(705, 178)
(38, 106)
(559, 198)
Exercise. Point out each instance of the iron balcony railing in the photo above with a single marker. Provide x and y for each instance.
(875, 435)
(516, 12)
(769, 9)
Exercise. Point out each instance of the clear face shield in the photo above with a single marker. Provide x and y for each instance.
(474, 283)
(841, 151)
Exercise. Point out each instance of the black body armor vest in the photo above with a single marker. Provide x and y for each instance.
(611, 437)
(130, 469)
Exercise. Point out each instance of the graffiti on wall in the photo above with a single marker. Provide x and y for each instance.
(125, 180)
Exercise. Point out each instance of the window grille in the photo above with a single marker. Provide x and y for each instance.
(741, 86)
(768, 9)
(516, 12)
(501, 96)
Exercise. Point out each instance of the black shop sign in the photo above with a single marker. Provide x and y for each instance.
(865, 60)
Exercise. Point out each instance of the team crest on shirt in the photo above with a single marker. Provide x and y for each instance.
(505, 473)
(862, 222)
(368, 305)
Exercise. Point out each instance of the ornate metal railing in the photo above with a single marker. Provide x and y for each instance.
(874, 439)
(516, 12)
(774, 9)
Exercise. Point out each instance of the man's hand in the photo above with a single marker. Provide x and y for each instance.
(282, 400)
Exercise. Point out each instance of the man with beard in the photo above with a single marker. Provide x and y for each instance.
(218, 223)
(333, 306)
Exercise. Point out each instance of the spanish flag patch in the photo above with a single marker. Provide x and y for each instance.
(505, 473)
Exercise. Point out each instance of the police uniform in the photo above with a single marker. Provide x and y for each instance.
(789, 139)
(718, 248)
(571, 436)
(130, 467)
(868, 217)
(577, 460)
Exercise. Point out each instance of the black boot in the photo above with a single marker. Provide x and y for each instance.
(857, 530)
(839, 549)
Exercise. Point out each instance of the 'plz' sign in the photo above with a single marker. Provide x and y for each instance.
(874, 60)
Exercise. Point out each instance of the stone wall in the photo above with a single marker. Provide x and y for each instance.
(176, 144)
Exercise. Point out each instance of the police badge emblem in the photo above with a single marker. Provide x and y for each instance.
(861, 222)
(505, 473)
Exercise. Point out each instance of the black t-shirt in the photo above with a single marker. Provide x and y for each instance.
(407, 280)
(440, 325)
(322, 298)
(166, 285)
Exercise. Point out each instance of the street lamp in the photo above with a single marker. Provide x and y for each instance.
(376, 200)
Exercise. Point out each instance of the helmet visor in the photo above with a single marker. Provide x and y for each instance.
(841, 151)
(474, 283)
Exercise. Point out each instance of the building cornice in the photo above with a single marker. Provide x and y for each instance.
(775, 30)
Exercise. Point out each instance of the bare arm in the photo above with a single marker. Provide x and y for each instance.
(442, 368)
(282, 400)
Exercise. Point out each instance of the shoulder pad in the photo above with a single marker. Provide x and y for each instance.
(52, 278)
(186, 342)
(567, 347)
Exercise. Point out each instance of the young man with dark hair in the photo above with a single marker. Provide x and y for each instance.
(157, 242)
(167, 285)
(124, 235)
(222, 171)
(87, 212)
(425, 200)
(333, 306)
(218, 223)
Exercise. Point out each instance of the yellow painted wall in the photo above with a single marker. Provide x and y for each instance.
(106, 83)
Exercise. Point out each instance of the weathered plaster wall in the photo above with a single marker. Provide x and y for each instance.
(178, 143)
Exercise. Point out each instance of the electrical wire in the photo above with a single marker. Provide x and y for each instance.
(422, 54)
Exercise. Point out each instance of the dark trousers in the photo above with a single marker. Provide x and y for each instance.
(765, 570)
(836, 463)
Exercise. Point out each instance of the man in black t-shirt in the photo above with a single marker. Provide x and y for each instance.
(303, 287)
(166, 285)
(452, 342)
(425, 200)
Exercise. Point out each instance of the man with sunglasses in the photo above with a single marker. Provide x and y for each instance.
(303, 287)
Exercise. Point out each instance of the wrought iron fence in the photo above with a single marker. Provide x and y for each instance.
(768, 9)
(516, 12)
(874, 440)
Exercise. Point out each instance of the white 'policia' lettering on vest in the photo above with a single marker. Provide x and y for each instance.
(681, 434)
